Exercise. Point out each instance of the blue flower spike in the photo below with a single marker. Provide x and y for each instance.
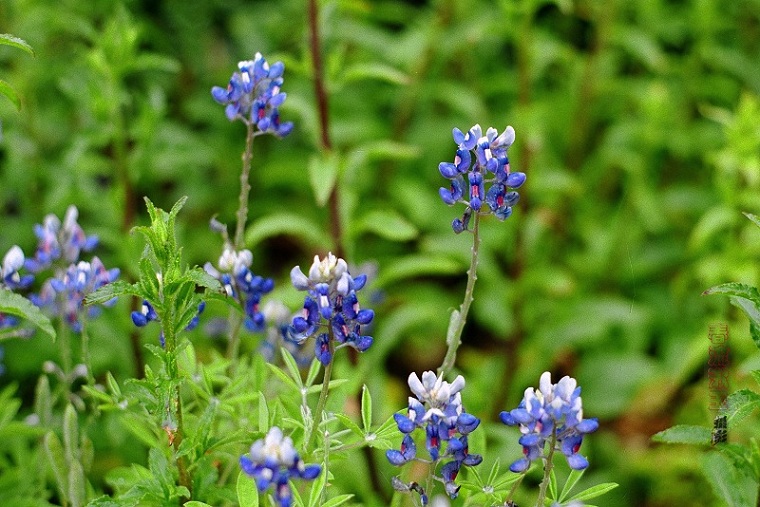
(484, 160)
(253, 95)
(239, 282)
(273, 461)
(332, 304)
(552, 409)
(436, 409)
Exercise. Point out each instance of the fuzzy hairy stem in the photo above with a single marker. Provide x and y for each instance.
(172, 369)
(245, 188)
(456, 325)
(548, 465)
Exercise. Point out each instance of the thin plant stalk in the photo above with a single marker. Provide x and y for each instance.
(86, 350)
(548, 465)
(235, 320)
(458, 320)
(323, 393)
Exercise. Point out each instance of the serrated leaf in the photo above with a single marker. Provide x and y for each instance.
(323, 174)
(202, 279)
(728, 481)
(735, 289)
(366, 409)
(594, 491)
(7, 39)
(387, 224)
(7, 90)
(15, 304)
(740, 404)
(375, 71)
(684, 434)
(110, 291)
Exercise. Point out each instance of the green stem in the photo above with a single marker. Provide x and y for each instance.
(245, 188)
(86, 351)
(458, 319)
(172, 369)
(548, 465)
(322, 395)
(514, 487)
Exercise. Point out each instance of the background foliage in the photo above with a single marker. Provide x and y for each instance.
(638, 125)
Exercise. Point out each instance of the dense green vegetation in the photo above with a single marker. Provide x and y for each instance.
(637, 124)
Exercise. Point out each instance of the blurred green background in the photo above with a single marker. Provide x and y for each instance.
(638, 125)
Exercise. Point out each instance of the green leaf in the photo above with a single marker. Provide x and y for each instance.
(315, 494)
(202, 279)
(338, 500)
(323, 174)
(77, 485)
(7, 39)
(735, 289)
(313, 371)
(684, 434)
(15, 304)
(112, 290)
(388, 224)
(263, 413)
(594, 491)
(57, 460)
(412, 266)
(740, 404)
(71, 434)
(552, 486)
(366, 409)
(196, 503)
(43, 401)
(7, 90)
(283, 376)
(351, 425)
(729, 482)
(292, 366)
(755, 219)
(376, 71)
(285, 223)
(572, 480)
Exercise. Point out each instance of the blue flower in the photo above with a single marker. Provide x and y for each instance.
(273, 461)
(64, 294)
(552, 410)
(483, 159)
(59, 241)
(147, 314)
(9, 271)
(331, 302)
(241, 283)
(253, 95)
(437, 409)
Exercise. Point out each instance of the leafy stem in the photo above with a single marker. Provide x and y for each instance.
(459, 317)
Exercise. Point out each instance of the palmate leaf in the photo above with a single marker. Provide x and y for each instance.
(19, 306)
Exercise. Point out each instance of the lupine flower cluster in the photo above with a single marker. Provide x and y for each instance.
(552, 410)
(253, 95)
(241, 283)
(273, 461)
(484, 160)
(331, 302)
(63, 295)
(59, 241)
(438, 410)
